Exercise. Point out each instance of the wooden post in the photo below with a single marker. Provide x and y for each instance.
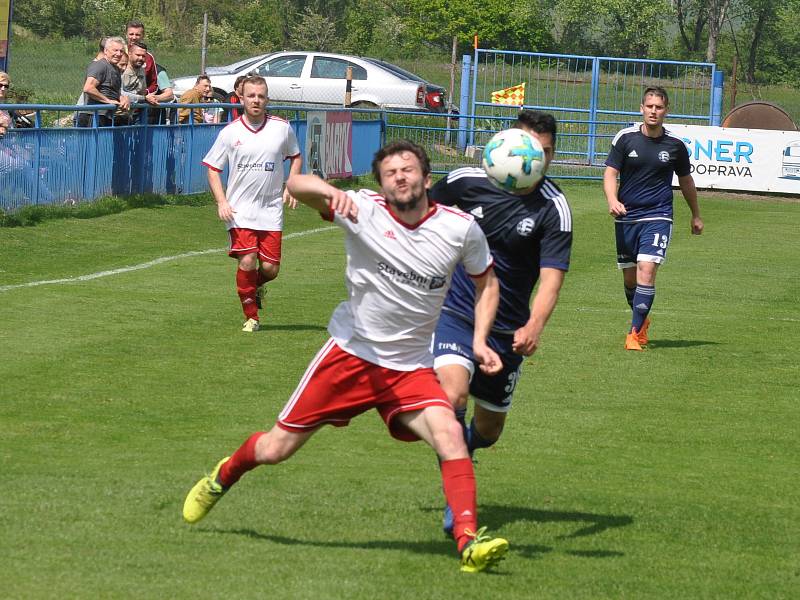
(448, 97)
(348, 90)
(733, 82)
(203, 45)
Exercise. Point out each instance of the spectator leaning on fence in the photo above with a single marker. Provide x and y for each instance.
(133, 78)
(16, 173)
(103, 84)
(6, 120)
(196, 95)
(134, 32)
(163, 95)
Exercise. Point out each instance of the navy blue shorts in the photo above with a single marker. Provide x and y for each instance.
(452, 344)
(644, 241)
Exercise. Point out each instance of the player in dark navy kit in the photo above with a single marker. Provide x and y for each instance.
(645, 157)
(530, 237)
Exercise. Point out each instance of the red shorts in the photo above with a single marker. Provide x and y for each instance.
(248, 241)
(338, 386)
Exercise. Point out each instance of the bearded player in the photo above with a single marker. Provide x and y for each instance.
(401, 252)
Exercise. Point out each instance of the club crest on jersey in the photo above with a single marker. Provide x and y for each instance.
(663, 156)
(437, 282)
(525, 227)
(411, 278)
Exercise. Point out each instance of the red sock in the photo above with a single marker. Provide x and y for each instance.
(242, 461)
(458, 481)
(246, 286)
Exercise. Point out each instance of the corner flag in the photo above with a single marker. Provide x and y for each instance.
(511, 96)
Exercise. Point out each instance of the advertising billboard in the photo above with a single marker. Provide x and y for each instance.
(756, 160)
(329, 144)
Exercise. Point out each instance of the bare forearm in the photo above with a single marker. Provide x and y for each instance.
(311, 191)
(487, 299)
(94, 93)
(295, 165)
(543, 305)
(215, 183)
(689, 192)
(610, 184)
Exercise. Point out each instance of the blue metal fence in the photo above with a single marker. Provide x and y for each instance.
(592, 97)
(47, 165)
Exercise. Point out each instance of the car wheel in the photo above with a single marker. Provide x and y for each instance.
(363, 104)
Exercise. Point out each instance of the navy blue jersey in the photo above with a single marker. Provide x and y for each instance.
(525, 233)
(645, 168)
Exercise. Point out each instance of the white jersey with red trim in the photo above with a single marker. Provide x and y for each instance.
(397, 278)
(254, 158)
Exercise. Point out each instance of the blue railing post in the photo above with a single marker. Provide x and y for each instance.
(92, 147)
(37, 164)
(463, 101)
(474, 99)
(717, 82)
(593, 100)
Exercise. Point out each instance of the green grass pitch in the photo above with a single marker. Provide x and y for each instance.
(671, 473)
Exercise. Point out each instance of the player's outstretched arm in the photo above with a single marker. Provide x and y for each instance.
(689, 192)
(487, 298)
(322, 196)
(615, 207)
(526, 338)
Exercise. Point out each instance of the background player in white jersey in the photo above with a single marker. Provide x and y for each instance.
(401, 253)
(253, 148)
(530, 236)
(645, 157)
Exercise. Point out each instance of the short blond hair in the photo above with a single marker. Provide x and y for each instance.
(4, 78)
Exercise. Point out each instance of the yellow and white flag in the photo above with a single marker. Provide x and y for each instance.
(512, 96)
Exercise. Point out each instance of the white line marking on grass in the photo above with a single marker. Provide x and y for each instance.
(145, 265)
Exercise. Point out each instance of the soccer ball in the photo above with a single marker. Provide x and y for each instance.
(514, 160)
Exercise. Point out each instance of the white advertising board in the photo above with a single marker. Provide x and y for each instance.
(756, 160)
(329, 144)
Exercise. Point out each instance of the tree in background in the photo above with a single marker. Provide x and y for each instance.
(513, 24)
(764, 32)
(627, 28)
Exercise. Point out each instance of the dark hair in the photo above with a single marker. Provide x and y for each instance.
(201, 78)
(134, 24)
(140, 44)
(656, 90)
(253, 80)
(239, 80)
(396, 148)
(537, 121)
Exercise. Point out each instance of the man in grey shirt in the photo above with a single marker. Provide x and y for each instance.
(104, 84)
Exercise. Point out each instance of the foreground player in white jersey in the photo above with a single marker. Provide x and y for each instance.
(253, 147)
(401, 253)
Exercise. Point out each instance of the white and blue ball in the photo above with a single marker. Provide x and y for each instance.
(514, 160)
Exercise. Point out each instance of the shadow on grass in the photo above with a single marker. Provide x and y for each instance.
(497, 515)
(679, 343)
(445, 546)
(289, 327)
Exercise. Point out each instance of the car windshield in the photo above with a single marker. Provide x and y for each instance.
(396, 70)
(243, 64)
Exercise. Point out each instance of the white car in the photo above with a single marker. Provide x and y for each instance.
(319, 78)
